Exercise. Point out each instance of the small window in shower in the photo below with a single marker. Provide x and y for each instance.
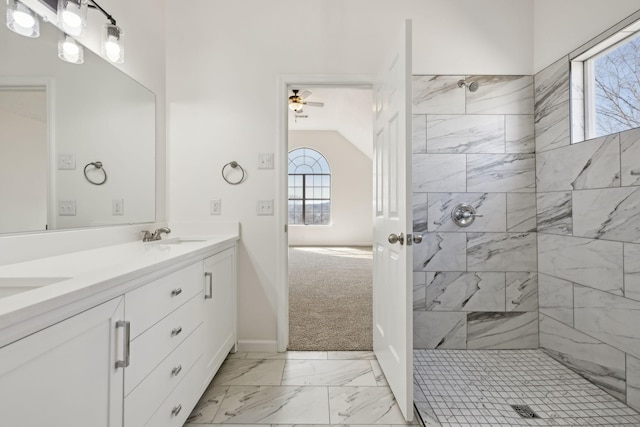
(309, 188)
(605, 93)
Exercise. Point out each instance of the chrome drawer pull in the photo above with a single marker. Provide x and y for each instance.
(176, 331)
(176, 292)
(127, 343)
(175, 371)
(176, 410)
(210, 276)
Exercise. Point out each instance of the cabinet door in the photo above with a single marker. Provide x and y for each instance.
(65, 375)
(219, 310)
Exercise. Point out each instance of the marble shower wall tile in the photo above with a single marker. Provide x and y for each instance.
(591, 358)
(609, 318)
(441, 252)
(439, 173)
(465, 134)
(511, 330)
(443, 330)
(555, 213)
(611, 214)
(456, 291)
(586, 165)
(594, 263)
(419, 134)
(519, 134)
(552, 124)
(522, 291)
(630, 157)
(438, 95)
(556, 298)
(491, 205)
(501, 173)
(419, 212)
(501, 251)
(500, 95)
(633, 382)
(521, 212)
(419, 290)
(632, 271)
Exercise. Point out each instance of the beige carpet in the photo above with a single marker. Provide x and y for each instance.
(330, 298)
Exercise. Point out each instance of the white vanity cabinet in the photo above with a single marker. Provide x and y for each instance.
(219, 328)
(66, 374)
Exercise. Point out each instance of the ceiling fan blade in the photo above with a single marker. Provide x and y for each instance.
(305, 94)
(314, 104)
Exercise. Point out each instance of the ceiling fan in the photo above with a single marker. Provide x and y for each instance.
(296, 102)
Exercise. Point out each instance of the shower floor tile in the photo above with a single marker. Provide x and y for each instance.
(478, 387)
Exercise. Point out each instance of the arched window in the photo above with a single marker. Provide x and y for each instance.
(309, 188)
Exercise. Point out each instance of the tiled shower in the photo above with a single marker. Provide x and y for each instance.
(554, 262)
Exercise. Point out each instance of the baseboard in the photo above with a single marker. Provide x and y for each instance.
(263, 346)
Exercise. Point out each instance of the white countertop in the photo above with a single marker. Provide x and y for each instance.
(54, 282)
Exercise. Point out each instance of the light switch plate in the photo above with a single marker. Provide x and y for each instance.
(66, 162)
(215, 207)
(265, 207)
(117, 207)
(265, 161)
(67, 207)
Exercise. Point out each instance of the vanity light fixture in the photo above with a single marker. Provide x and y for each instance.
(22, 20)
(70, 50)
(112, 47)
(72, 16)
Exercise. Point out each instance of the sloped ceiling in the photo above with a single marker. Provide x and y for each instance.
(346, 110)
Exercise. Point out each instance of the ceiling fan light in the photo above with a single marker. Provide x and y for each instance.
(22, 20)
(295, 105)
(72, 16)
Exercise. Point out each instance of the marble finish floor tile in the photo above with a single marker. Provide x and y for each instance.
(208, 405)
(381, 380)
(250, 372)
(351, 355)
(289, 355)
(328, 373)
(274, 405)
(363, 405)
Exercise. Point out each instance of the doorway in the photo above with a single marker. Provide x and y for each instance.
(329, 216)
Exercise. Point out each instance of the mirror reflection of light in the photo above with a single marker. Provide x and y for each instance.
(23, 19)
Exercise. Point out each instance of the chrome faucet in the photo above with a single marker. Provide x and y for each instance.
(156, 235)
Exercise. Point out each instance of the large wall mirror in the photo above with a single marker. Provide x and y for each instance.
(57, 121)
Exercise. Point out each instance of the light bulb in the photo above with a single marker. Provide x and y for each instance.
(23, 19)
(72, 16)
(70, 50)
(71, 19)
(112, 50)
(112, 47)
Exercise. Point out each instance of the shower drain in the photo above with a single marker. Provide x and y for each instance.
(524, 411)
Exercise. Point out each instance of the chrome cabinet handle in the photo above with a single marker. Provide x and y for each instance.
(176, 292)
(176, 410)
(210, 276)
(175, 371)
(176, 331)
(395, 238)
(127, 343)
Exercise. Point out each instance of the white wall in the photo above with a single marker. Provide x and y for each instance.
(351, 192)
(223, 62)
(563, 26)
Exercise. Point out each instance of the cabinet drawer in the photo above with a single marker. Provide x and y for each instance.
(150, 348)
(148, 304)
(145, 399)
(175, 410)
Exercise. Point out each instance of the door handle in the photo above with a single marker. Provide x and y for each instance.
(395, 238)
(417, 238)
(210, 276)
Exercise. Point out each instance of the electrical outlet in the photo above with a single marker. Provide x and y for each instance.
(67, 207)
(117, 207)
(66, 162)
(265, 161)
(215, 207)
(265, 207)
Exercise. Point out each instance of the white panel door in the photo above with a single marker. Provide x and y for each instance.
(393, 273)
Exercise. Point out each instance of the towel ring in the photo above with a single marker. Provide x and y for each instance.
(97, 165)
(234, 165)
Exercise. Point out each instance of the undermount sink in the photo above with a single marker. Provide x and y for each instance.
(15, 285)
